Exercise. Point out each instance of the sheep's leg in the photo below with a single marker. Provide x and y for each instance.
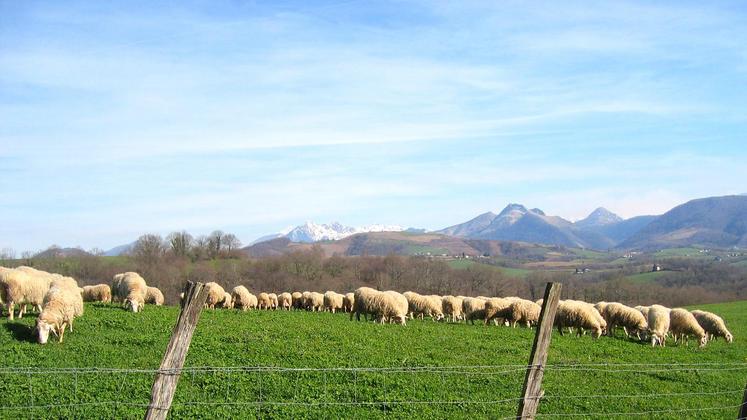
(21, 311)
(11, 305)
(560, 330)
(62, 331)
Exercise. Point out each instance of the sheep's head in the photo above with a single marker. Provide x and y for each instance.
(597, 332)
(43, 329)
(400, 319)
(729, 338)
(133, 305)
(703, 341)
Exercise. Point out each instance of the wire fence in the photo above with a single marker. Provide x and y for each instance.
(492, 391)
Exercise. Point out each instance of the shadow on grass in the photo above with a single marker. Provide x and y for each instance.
(21, 332)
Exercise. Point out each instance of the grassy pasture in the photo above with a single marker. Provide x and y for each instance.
(436, 370)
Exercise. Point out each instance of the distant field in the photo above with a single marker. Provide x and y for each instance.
(479, 366)
(646, 277)
(509, 271)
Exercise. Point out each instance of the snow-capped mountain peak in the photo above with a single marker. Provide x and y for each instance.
(314, 232)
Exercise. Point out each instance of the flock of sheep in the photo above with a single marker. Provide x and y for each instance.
(59, 301)
(603, 318)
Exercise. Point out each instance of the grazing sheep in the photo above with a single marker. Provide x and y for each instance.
(362, 302)
(658, 324)
(451, 307)
(297, 300)
(618, 315)
(97, 293)
(227, 302)
(395, 310)
(20, 287)
(713, 325)
(154, 296)
(242, 299)
(274, 300)
(576, 314)
(332, 301)
(264, 301)
(473, 308)
(421, 306)
(285, 301)
(60, 308)
(216, 294)
(130, 289)
(348, 300)
(314, 302)
(524, 311)
(496, 308)
(683, 324)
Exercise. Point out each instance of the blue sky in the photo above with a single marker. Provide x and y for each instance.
(121, 118)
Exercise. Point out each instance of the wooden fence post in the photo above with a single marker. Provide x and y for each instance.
(164, 385)
(743, 408)
(532, 393)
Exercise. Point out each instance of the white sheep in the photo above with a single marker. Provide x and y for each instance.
(332, 301)
(451, 306)
(421, 306)
(658, 324)
(524, 311)
(496, 308)
(97, 293)
(20, 287)
(314, 302)
(264, 301)
(643, 310)
(285, 301)
(362, 302)
(473, 308)
(60, 308)
(348, 300)
(216, 294)
(618, 315)
(242, 299)
(274, 300)
(576, 314)
(683, 324)
(131, 289)
(154, 296)
(227, 302)
(713, 325)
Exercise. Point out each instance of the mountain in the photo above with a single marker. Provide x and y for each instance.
(718, 222)
(57, 252)
(599, 217)
(119, 250)
(470, 227)
(312, 232)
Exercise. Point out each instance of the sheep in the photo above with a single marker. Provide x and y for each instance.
(154, 296)
(420, 306)
(130, 289)
(362, 302)
(285, 301)
(525, 311)
(297, 299)
(658, 324)
(683, 324)
(473, 308)
(216, 294)
(227, 301)
(496, 308)
(398, 310)
(274, 300)
(713, 325)
(348, 300)
(452, 308)
(332, 301)
(314, 302)
(264, 301)
(20, 287)
(62, 304)
(97, 293)
(618, 315)
(242, 299)
(576, 314)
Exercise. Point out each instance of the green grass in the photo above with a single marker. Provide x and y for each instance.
(647, 277)
(108, 337)
(425, 249)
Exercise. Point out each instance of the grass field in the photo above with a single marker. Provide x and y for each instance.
(647, 277)
(473, 371)
(509, 271)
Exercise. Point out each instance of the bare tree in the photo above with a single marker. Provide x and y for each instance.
(231, 242)
(200, 247)
(7, 254)
(148, 249)
(215, 243)
(180, 243)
